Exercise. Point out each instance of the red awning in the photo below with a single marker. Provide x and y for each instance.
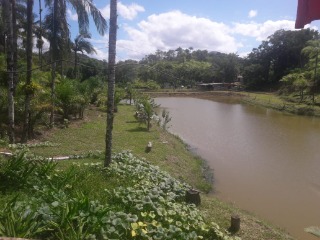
(308, 10)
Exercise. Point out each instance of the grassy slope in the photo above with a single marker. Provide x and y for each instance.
(168, 152)
(284, 104)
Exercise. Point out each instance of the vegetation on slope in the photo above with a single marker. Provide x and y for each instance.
(90, 181)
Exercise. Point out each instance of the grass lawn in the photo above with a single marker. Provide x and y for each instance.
(168, 152)
(285, 104)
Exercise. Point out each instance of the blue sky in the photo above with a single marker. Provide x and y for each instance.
(229, 26)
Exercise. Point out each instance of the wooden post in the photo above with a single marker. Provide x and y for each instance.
(193, 196)
(235, 223)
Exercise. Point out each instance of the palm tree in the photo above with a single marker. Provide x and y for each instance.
(29, 72)
(39, 44)
(57, 26)
(312, 52)
(111, 79)
(56, 29)
(9, 11)
(81, 45)
(2, 28)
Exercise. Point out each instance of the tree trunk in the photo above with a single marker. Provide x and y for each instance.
(314, 89)
(53, 46)
(40, 37)
(111, 79)
(235, 223)
(15, 45)
(75, 70)
(193, 197)
(29, 72)
(11, 62)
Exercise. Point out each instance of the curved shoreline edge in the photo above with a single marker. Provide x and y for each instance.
(263, 99)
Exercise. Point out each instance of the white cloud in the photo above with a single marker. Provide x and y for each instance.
(244, 54)
(175, 29)
(253, 13)
(101, 54)
(131, 11)
(128, 12)
(72, 16)
(260, 31)
(45, 46)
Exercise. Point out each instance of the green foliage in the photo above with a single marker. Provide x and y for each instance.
(148, 85)
(151, 206)
(266, 65)
(32, 145)
(17, 220)
(165, 119)
(295, 82)
(130, 92)
(118, 96)
(145, 110)
(15, 172)
(3, 105)
(72, 97)
(92, 87)
(65, 93)
(19, 171)
(127, 72)
(156, 199)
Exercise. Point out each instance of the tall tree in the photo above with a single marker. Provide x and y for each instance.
(276, 57)
(111, 79)
(59, 36)
(28, 87)
(11, 30)
(312, 52)
(2, 27)
(39, 35)
(81, 45)
(54, 48)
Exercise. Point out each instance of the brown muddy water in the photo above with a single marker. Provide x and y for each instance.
(263, 161)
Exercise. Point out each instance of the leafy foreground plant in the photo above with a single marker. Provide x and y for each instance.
(151, 206)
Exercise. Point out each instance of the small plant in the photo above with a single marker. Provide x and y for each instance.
(3, 142)
(22, 170)
(145, 110)
(17, 220)
(15, 172)
(4, 138)
(66, 123)
(165, 119)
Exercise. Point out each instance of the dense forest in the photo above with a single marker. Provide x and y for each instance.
(48, 86)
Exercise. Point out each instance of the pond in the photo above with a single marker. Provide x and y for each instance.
(263, 161)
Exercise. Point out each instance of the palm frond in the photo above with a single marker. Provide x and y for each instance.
(83, 7)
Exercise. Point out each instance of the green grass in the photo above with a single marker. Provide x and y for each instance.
(288, 104)
(168, 152)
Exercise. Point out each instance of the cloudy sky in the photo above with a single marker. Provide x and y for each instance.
(229, 26)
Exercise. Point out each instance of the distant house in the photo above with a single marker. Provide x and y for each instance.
(215, 86)
(236, 85)
(240, 79)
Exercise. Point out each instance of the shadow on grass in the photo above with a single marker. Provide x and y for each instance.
(232, 231)
(138, 129)
(132, 121)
